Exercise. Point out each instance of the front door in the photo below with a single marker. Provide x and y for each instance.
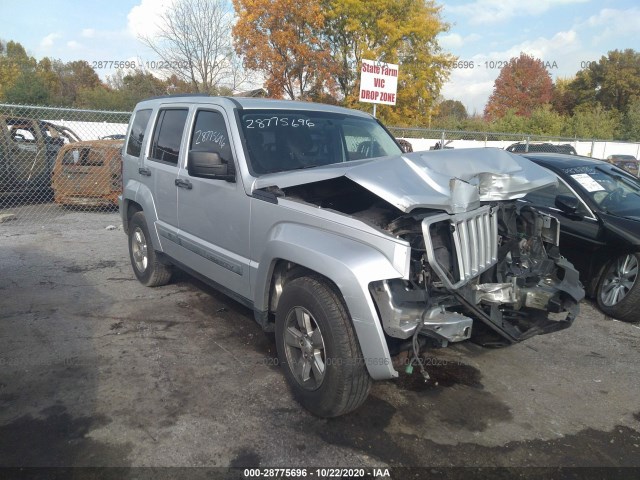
(214, 215)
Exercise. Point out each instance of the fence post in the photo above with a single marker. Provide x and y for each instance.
(593, 146)
(526, 148)
(442, 141)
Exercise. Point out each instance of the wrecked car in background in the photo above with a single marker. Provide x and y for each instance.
(350, 250)
(28, 149)
(88, 174)
(599, 209)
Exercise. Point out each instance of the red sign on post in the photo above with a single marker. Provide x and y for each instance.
(378, 82)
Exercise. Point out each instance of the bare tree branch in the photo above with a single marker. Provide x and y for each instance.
(194, 43)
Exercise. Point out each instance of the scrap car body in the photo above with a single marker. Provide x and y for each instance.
(88, 174)
(28, 149)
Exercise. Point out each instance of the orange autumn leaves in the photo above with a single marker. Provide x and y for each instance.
(313, 50)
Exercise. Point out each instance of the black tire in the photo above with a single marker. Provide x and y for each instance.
(344, 384)
(618, 292)
(144, 259)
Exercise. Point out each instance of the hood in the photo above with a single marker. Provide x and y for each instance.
(451, 180)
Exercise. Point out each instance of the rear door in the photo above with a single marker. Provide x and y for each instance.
(159, 170)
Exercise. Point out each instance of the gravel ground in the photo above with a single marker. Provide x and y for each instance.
(97, 370)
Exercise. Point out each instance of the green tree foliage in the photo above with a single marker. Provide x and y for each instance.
(102, 97)
(545, 121)
(523, 84)
(23, 80)
(452, 108)
(631, 121)
(611, 82)
(17, 70)
(450, 114)
(510, 122)
(28, 89)
(590, 121)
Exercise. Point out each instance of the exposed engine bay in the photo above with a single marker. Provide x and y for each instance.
(493, 273)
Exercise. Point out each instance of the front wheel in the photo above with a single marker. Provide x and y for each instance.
(318, 349)
(144, 259)
(618, 292)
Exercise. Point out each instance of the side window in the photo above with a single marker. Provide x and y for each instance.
(22, 132)
(210, 135)
(136, 138)
(360, 143)
(546, 197)
(168, 135)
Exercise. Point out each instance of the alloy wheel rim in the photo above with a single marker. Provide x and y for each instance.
(139, 250)
(304, 348)
(619, 280)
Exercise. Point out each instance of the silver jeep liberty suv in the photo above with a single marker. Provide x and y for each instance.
(350, 250)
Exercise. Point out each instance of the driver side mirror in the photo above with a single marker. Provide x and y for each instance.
(209, 165)
(568, 205)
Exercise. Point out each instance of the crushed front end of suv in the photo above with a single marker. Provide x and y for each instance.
(350, 250)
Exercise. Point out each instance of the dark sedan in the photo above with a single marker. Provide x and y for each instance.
(598, 206)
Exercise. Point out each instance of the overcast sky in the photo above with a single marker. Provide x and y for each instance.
(565, 34)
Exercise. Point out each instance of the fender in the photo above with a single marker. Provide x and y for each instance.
(141, 194)
(129, 191)
(351, 265)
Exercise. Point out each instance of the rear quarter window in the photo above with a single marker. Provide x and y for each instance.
(136, 137)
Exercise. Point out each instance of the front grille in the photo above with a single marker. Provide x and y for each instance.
(474, 239)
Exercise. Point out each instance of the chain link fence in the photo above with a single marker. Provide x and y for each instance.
(434, 139)
(57, 161)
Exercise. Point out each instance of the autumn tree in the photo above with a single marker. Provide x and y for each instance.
(194, 42)
(403, 32)
(563, 99)
(523, 84)
(281, 39)
(611, 82)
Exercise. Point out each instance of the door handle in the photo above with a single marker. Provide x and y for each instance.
(144, 171)
(184, 184)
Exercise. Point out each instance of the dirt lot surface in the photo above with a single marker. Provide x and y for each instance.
(98, 370)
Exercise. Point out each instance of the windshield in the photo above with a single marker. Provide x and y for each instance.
(612, 190)
(282, 140)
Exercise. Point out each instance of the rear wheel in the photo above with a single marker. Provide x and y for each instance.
(144, 259)
(318, 349)
(618, 292)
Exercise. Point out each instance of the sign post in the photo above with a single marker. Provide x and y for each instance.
(378, 83)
